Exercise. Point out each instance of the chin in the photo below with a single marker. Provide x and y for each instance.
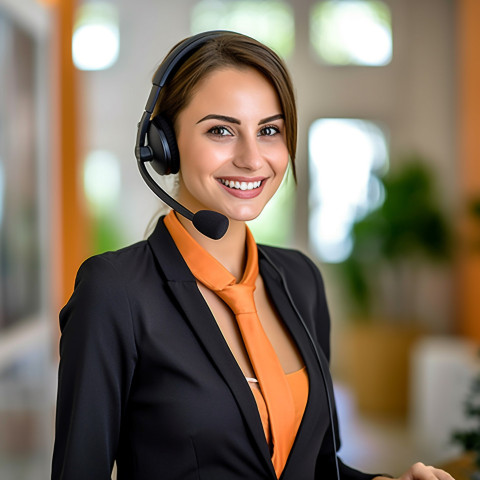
(235, 213)
(243, 216)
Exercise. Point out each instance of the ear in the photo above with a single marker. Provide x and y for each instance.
(162, 141)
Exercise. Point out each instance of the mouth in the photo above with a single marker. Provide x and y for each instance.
(237, 185)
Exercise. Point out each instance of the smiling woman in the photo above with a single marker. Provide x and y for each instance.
(192, 357)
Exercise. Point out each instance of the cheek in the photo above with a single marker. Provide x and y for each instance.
(201, 157)
(281, 160)
(197, 167)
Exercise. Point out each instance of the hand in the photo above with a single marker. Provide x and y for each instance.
(419, 471)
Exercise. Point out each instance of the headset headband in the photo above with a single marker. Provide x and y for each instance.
(167, 69)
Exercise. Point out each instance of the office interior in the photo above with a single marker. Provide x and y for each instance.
(70, 188)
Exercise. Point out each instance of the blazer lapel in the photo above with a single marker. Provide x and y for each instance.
(184, 288)
(316, 396)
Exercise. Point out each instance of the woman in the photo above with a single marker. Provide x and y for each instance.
(185, 357)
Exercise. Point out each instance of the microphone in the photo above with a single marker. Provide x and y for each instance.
(212, 224)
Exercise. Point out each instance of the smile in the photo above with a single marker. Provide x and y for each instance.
(240, 185)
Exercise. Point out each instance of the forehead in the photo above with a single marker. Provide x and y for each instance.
(234, 86)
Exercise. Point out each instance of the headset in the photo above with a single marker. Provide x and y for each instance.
(156, 141)
(156, 144)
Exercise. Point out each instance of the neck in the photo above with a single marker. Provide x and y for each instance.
(230, 250)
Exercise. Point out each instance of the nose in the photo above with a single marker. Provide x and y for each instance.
(247, 154)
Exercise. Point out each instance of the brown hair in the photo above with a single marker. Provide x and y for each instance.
(230, 50)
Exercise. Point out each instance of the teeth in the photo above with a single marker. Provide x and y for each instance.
(241, 185)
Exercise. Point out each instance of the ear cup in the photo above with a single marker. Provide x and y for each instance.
(161, 139)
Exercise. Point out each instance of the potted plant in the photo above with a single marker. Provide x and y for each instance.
(408, 229)
(391, 245)
(474, 208)
(469, 438)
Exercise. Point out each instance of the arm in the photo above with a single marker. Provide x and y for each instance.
(97, 360)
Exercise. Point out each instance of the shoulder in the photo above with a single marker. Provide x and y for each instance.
(299, 274)
(108, 280)
(96, 323)
(117, 262)
(99, 310)
(292, 264)
(126, 267)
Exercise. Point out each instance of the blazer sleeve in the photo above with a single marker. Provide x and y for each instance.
(97, 361)
(326, 460)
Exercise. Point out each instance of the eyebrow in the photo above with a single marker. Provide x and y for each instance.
(225, 118)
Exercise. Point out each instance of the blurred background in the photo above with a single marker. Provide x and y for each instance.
(387, 201)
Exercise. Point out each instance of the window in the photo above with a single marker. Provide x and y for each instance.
(269, 21)
(347, 157)
(352, 32)
(96, 38)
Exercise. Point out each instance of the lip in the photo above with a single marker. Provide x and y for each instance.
(244, 194)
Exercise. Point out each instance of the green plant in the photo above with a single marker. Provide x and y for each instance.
(408, 229)
(474, 209)
(469, 439)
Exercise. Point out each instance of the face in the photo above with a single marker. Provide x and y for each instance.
(231, 140)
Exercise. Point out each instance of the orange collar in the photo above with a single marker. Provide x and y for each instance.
(203, 265)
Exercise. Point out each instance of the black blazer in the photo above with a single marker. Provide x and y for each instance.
(147, 379)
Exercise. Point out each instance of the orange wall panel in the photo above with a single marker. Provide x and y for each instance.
(468, 14)
(71, 225)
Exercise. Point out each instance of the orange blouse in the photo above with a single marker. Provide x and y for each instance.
(298, 382)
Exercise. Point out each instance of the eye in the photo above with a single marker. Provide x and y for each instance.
(269, 131)
(219, 131)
